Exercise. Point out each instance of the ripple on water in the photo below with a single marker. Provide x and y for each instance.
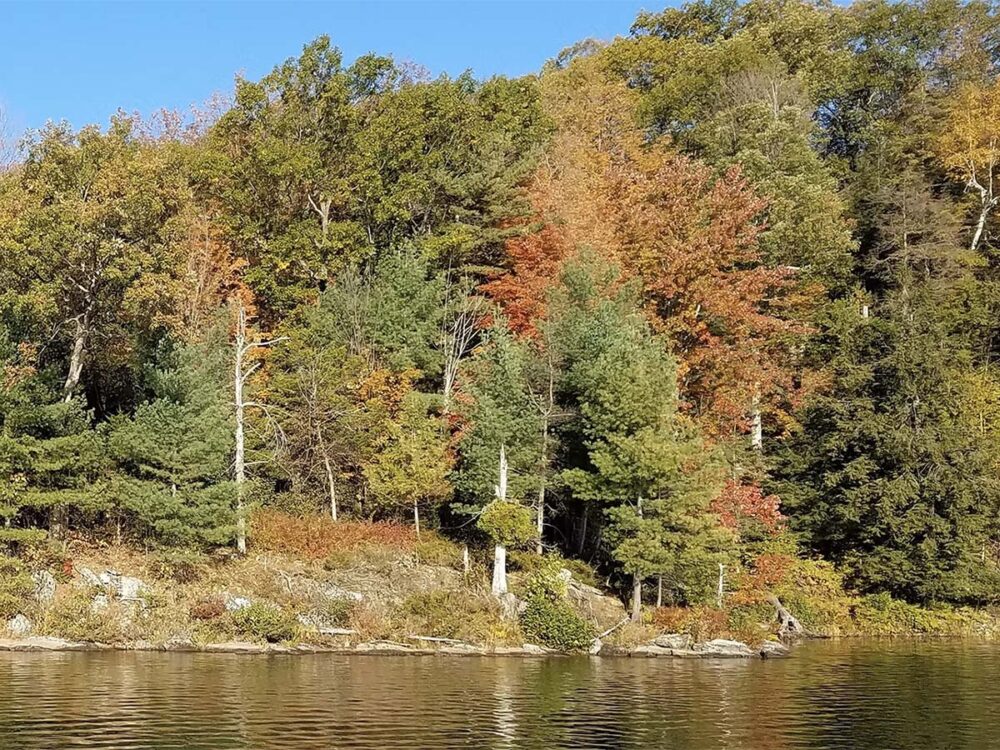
(850, 695)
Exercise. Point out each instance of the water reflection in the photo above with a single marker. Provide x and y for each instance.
(831, 695)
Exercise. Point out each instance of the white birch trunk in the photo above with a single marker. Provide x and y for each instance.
(241, 373)
(539, 547)
(980, 225)
(499, 587)
(331, 485)
(239, 463)
(756, 423)
(987, 202)
(499, 570)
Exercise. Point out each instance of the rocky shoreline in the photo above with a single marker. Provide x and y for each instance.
(114, 611)
(715, 649)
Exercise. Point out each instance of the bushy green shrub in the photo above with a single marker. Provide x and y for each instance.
(546, 581)
(527, 561)
(524, 561)
(16, 587)
(880, 614)
(265, 622)
(549, 619)
(507, 523)
(554, 623)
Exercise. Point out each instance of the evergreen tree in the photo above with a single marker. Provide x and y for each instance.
(886, 477)
(52, 462)
(499, 445)
(173, 454)
(498, 411)
(645, 464)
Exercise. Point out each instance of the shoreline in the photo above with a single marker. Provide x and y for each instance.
(769, 650)
(47, 644)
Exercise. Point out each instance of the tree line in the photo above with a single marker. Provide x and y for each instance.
(726, 280)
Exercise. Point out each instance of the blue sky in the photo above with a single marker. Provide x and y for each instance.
(82, 61)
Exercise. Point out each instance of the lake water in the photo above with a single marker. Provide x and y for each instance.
(847, 694)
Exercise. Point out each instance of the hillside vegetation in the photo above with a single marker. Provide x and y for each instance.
(705, 315)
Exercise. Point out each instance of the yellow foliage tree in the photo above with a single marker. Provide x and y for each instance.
(969, 146)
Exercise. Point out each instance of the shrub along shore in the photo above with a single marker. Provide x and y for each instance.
(379, 589)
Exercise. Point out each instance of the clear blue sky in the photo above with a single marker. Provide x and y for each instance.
(82, 61)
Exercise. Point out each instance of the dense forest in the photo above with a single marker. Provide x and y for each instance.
(713, 297)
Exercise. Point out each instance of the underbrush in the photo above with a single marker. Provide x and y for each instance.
(532, 562)
(307, 575)
(16, 586)
(318, 537)
(459, 614)
(262, 621)
(75, 616)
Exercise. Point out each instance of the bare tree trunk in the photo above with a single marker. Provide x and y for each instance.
(76, 357)
(539, 547)
(756, 424)
(465, 559)
(499, 587)
(239, 463)
(659, 591)
(980, 225)
(636, 598)
(456, 339)
(499, 570)
(987, 202)
(416, 518)
(331, 485)
(241, 372)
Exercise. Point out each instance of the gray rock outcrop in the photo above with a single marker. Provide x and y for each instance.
(19, 626)
(722, 648)
(45, 586)
(673, 640)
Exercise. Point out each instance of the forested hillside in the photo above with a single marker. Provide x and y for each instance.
(705, 307)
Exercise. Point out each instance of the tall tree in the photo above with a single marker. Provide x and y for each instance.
(172, 456)
(87, 225)
(645, 464)
(969, 148)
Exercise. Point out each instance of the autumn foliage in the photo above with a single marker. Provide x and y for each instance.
(688, 236)
(739, 504)
(316, 537)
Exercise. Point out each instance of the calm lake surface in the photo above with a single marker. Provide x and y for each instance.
(848, 694)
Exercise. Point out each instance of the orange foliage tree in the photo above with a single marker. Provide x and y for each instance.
(690, 238)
